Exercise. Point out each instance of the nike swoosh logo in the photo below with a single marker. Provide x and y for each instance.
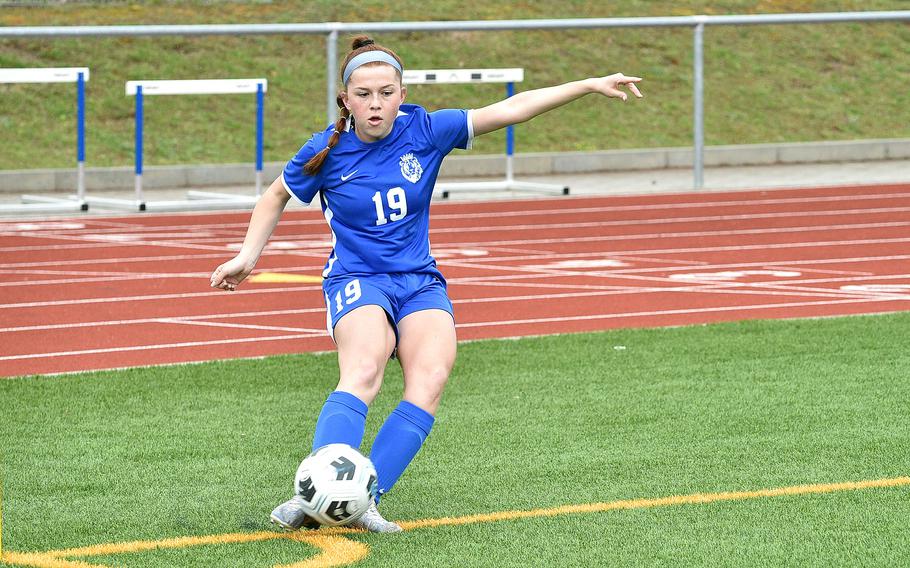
(345, 178)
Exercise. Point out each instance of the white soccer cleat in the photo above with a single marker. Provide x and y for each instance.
(372, 521)
(290, 515)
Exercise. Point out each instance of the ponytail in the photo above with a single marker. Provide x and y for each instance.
(315, 164)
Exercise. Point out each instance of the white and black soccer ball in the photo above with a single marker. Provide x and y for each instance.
(337, 484)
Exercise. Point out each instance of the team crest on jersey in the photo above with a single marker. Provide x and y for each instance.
(410, 167)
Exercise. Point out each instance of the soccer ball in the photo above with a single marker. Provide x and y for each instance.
(337, 484)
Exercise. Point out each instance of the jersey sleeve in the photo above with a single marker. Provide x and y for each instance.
(450, 128)
(297, 182)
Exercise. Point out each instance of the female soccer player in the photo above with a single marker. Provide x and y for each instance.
(374, 172)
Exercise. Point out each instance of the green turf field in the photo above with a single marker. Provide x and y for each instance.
(763, 84)
(538, 423)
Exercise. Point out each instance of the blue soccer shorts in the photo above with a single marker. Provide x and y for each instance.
(399, 294)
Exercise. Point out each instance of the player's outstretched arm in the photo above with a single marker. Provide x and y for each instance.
(525, 106)
(262, 222)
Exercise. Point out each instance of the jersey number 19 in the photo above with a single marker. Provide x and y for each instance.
(397, 201)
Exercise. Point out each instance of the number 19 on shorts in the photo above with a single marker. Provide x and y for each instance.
(351, 295)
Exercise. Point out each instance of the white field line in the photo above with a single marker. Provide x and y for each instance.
(669, 312)
(183, 319)
(152, 297)
(703, 219)
(119, 278)
(160, 346)
(682, 205)
(784, 285)
(224, 255)
(707, 287)
(507, 280)
(199, 241)
(462, 325)
(239, 325)
(597, 238)
(561, 207)
(599, 224)
(701, 267)
(606, 238)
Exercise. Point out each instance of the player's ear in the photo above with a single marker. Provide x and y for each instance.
(404, 92)
(344, 99)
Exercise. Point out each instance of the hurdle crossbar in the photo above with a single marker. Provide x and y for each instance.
(509, 76)
(196, 200)
(78, 75)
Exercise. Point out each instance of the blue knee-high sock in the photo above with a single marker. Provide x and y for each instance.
(342, 421)
(398, 441)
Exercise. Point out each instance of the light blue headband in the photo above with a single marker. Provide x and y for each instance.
(372, 56)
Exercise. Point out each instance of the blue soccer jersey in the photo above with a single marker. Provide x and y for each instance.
(376, 196)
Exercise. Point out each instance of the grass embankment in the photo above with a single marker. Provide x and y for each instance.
(763, 83)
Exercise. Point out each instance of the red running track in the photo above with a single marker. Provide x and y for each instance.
(96, 293)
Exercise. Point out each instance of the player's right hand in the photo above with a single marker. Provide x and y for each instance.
(230, 274)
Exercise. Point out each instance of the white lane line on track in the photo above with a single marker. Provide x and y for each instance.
(506, 280)
(561, 207)
(682, 205)
(200, 241)
(488, 245)
(140, 321)
(159, 346)
(226, 255)
(633, 236)
(574, 240)
(704, 265)
(500, 323)
(788, 285)
(673, 312)
(223, 243)
(675, 220)
(239, 325)
(600, 291)
(153, 297)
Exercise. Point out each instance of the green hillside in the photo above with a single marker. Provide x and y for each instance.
(763, 83)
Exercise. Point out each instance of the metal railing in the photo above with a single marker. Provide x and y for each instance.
(332, 29)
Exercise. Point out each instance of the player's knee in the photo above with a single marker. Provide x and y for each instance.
(363, 378)
(429, 385)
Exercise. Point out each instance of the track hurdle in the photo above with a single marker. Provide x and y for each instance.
(78, 75)
(196, 200)
(507, 76)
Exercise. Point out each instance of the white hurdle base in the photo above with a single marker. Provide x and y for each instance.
(506, 185)
(42, 204)
(191, 204)
(231, 197)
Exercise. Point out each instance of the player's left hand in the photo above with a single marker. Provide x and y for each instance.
(611, 86)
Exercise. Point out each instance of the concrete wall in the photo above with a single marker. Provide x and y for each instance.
(466, 166)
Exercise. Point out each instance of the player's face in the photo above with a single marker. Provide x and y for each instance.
(373, 95)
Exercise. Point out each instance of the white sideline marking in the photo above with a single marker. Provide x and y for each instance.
(734, 274)
(139, 321)
(160, 346)
(671, 312)
(462, 325)
(675, 220)
(239, 325)
(153, 297)
(877, 288)
(682, 205)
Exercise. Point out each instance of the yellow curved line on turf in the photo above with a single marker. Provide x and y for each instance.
(43, 560)
(334, 550)
(695, 498)
(339, 551)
